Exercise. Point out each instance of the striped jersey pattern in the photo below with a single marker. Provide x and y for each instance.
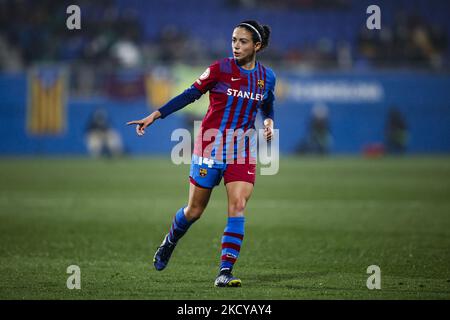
(235, 96)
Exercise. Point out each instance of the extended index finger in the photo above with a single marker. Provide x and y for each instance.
(134, 122)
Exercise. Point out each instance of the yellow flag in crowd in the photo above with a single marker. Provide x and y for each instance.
(46, 101)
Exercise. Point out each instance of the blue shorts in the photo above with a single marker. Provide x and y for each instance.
(206, 173)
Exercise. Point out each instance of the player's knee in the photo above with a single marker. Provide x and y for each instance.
(237, 206)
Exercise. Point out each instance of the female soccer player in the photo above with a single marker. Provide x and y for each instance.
(238, 87)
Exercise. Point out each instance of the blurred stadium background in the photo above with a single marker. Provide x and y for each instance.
(343, 91)
(341, 87)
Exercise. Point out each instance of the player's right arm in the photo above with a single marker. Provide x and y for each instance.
(145, 122)
(203, 84)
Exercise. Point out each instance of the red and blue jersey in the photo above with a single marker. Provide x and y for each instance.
(235, 96)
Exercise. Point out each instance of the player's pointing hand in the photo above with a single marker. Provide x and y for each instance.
(144, 123)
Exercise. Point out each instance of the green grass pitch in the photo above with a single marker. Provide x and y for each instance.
(311, 232)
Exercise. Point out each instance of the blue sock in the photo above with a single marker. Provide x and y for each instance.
(179, 226)
(232, 241)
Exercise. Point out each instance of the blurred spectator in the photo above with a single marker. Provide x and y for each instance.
(172, 41)
(101, 138)
(344, 55)
(410, 41)
(119, 33)
(127, 53)
(290, 4)
(396, 132)
(318, 139)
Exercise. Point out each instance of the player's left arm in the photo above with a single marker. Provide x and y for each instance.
(268, 111)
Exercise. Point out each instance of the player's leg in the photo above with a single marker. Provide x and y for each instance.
(203, 179)
(186, 216)
(198, 200)
(239, 193)
(183, 219)
(239, 181)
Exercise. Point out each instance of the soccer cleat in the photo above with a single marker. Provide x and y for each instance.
(163, 254)
(226, 279)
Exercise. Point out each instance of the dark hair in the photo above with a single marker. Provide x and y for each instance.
(264, 31)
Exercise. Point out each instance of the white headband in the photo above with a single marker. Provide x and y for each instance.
(249, 25)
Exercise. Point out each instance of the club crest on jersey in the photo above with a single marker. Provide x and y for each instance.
(203, 172)
(261, 83)
(203, 76)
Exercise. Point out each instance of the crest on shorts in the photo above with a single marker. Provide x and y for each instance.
(261, 83)
(203, 172)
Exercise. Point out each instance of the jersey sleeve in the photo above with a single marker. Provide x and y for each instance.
(180, 101)
(271, 81)
(269, 97)
(208, 79)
